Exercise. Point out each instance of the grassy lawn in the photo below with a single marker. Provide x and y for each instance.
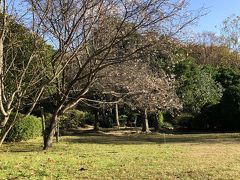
(128, 156)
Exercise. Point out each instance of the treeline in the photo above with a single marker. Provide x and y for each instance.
(210, 96)
(208, 82)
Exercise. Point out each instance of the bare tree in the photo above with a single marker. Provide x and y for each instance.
(87, 36)
(208, 48)
(136, 85)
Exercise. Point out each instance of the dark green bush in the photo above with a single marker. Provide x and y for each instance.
(212, 116)
(184, 120)
(230, 107)
(74, 119)
(64, 122)
(123, 118)
(197, 86)
(227, 77)
(26, 128)
(89, 119)
(199, 123)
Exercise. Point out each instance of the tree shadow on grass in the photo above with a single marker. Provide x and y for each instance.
(124, 137)
(101, 137)
(21, 147)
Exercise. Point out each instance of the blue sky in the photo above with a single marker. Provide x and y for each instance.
(219, 10)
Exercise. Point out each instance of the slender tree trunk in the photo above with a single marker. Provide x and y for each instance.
(145, 127)
(116, 114)
(43, 126)
(96, 127)
(57, 131)
(2, 109)
(4, 121)
(4, 135)
(51, 131)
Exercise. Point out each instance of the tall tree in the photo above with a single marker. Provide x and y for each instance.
(21, 56)
(87, 38)
(197, 86)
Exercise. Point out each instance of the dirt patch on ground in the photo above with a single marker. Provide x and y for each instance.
(123, 131)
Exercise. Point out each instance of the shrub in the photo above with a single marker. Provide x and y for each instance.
(26, 128)
(230, 106)
(89, 118)
(184, 120)
(159, 120)
(64, 122)
(211, 115)
(74, 119)
(197, 122)
(123, 119)
(167, 125)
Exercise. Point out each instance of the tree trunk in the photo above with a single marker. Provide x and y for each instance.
(4, 135)
(2, 109)
(57, 131)
(96, 123)
(51, 131)
(145, 127)
(116, 114)
(43, 125)
(1, 70)
(4, 121)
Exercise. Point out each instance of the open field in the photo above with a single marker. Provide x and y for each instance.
(125, 156)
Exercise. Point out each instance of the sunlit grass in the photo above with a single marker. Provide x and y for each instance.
(98, 156)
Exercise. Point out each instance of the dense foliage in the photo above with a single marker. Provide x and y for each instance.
(230, 105)
(196, 86)
(74, 119)
(228, 77)
(25, 128)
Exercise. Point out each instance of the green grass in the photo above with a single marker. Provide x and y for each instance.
(137, 156)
